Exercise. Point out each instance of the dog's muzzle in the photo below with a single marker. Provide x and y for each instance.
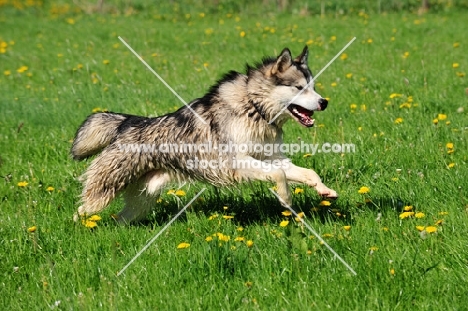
(323, 103)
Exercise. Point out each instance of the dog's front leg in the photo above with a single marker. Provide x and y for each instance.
(306, 176)
(248, 168)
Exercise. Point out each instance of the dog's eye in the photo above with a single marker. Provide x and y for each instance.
(299, 87)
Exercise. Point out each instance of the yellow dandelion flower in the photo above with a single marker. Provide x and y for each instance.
(353, 106)
(7, 72)
(364, 190)
(50, 189)
(435, 121)
(347, 228)
(344, 56)
(274, 188)
(23, 184)
(284, 223)
(209, 239)
(392, 271)
(22, 69)
(183, 245)
(106, 62)
(395, 179)
(439, 222)
(327, 235)
(398, 120)
(405, 105)
(70, 21)
(363, 107)
(333, 38)
(456, 44)
(408, 208)
(242, 34)
(406, 215)
(213, 217)
(419, 215)
(223, 237)
(298, 190)
(240, 229)
(89, 224)
(369, 40)
(180, 193)
(95, 218)
(420, 228)
(333, 84)
(449, 145)
(171, 191)
(405, 55)
(307, 155)
(441, 116)
(431, 229)
(394, 95)
(373, 248)
(286, 213)
(228, 217)
(249, 243)
(455, 65)
(248, 284)
(460, 74)
(349, 75)
(32, 229)
(325, 203)
(239, 239)
(443, 213)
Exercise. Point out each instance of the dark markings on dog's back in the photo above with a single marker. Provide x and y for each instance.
(210, 97)
(131, 121)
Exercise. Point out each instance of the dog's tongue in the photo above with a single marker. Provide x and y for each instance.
(303, 115)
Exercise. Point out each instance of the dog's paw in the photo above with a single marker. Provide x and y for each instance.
(76, 217)
(326, 192)
(286, 200)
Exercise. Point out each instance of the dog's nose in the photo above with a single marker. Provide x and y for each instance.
(323, 103)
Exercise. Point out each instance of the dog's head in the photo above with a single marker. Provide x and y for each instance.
(288, 82)
(295, 87)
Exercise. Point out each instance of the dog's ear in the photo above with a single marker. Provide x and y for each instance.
(303, 57)
(283, 62)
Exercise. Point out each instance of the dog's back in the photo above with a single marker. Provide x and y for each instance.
(98, 130)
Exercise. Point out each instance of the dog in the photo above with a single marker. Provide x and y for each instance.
(239, 109)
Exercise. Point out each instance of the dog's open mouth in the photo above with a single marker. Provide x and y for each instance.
(302, 115)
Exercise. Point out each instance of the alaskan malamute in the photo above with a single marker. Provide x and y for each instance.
(217, 138)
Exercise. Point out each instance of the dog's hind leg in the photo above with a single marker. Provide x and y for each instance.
(248, 168)
(105, 178)
(140, 197)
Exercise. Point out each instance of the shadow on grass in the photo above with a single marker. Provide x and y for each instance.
(256, 204)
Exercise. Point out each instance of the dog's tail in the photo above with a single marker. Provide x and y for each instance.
(98, 130)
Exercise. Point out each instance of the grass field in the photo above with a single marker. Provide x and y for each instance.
(399, 95)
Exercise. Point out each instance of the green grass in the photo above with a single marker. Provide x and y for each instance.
(285, 269)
